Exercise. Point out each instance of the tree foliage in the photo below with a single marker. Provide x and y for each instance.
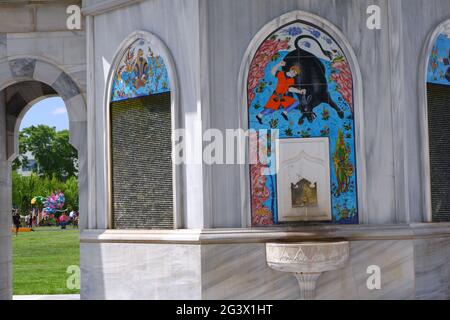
(26, 188)
(54, 154)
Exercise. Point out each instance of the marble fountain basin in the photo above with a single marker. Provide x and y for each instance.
(306, 261)
(307, 257)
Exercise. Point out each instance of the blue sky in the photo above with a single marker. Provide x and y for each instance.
(50, 111)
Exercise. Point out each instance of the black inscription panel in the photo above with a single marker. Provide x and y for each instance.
(141, 163)
(439, 141)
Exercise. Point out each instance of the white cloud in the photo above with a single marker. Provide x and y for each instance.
(60, 110)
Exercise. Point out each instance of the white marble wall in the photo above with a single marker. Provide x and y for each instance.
(239, 271)
(176, 23)
(432, 266)
(140, 271)
(389, 60)
(396, 261)
(34, 16)
(208, 39)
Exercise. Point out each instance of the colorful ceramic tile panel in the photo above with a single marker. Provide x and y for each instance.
(439, 62)
(141, 72)
(300, 83)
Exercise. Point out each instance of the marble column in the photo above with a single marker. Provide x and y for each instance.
(5, 209)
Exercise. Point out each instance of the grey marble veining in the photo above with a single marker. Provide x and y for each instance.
(76, 108)
(65, 86)
(396, 262)
(140, 271)
(240, 272)
(2, 44)
(5, 279)
(5, 218)
(432, 265)
(46, 72)
(22, 68)
(5, 72)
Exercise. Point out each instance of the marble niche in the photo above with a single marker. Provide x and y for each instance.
(303, 179)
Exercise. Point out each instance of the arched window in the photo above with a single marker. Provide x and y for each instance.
(300, 111)
(142, 175)
(437, 124)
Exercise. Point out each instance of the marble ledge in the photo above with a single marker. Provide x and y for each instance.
(45, 34)
(105, 6)
(263, 235)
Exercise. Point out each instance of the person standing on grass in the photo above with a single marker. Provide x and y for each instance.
(16, 221)
(30, 220)
(62, 221)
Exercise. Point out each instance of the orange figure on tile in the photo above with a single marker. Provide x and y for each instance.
(281, 96)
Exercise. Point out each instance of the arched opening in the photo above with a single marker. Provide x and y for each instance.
(25, 81)
(141, 116)
(436, 125)
(303, 106)
(45, 196)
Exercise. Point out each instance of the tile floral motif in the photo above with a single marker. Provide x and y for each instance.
(300, 83)
(141, 72)
(439, 62)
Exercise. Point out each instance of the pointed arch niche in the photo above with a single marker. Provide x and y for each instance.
(435, 119)
(299, 75)
(141, 115)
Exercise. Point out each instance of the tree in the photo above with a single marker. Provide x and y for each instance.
(52, 150)
(26, 188)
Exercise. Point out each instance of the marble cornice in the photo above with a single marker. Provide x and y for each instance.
(263, 235)
(106, 6)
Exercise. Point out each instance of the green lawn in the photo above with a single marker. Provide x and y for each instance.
(41, 258)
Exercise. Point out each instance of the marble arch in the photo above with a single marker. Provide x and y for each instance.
(24, 81)
(423, 103)
(157, 44)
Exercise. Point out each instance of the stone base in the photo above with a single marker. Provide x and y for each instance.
(231, 264)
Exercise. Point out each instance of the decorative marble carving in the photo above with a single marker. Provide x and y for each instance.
(307, 260)
(302, 160)
(307, 256)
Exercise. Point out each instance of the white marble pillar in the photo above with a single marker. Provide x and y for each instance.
(5, 210)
